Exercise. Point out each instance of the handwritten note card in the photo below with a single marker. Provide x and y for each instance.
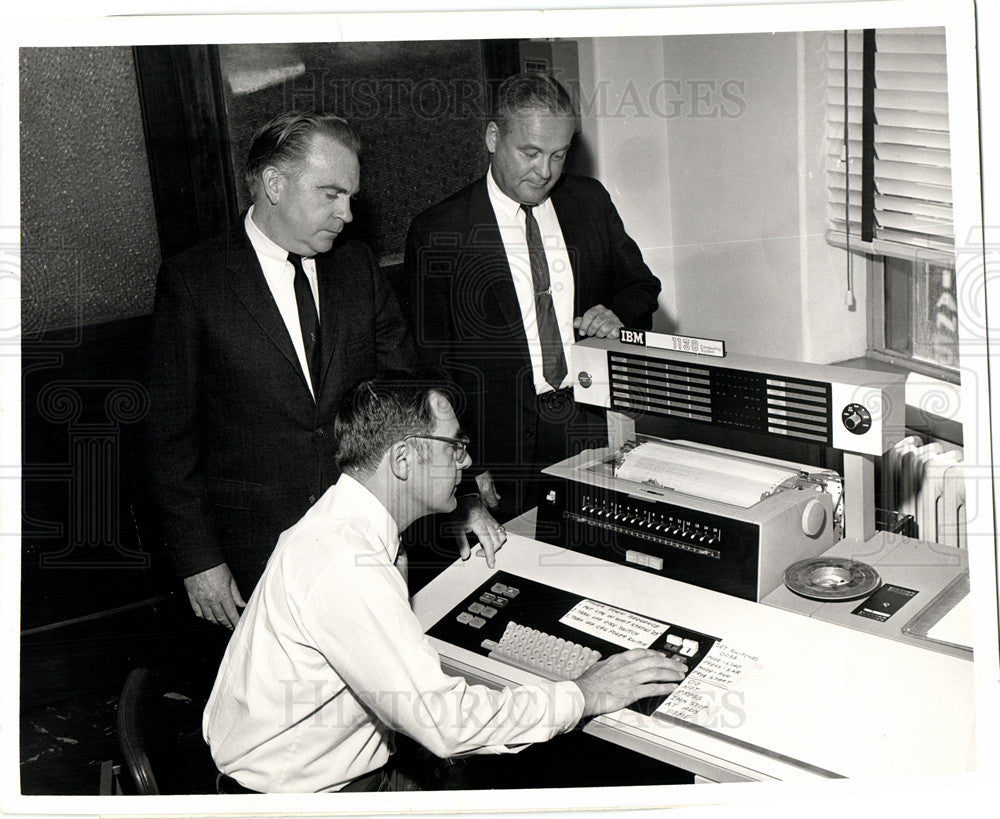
(711, 693)
(615, 625)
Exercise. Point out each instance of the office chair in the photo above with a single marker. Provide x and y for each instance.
(133, 706)
(162, 733)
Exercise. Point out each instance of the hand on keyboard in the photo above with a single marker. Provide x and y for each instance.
(624, 678)
(638, 674)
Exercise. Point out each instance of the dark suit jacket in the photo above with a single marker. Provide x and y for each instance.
(239, 447)
(466, 315)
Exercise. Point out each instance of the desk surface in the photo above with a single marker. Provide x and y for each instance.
(823, 700)
(922, 567)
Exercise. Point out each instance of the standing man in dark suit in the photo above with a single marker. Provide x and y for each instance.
(505, 271)
(257, 335)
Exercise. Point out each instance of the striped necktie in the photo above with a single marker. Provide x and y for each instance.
(553, 358)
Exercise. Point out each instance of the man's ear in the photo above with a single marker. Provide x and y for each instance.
(492, 135)
(399, 460)
(272, 181)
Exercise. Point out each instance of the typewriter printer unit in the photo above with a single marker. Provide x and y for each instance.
(724, 517)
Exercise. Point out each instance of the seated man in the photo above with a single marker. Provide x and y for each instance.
(329, 660)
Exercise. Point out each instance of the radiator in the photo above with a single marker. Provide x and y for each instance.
(926, 481)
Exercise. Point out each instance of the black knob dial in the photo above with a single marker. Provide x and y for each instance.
(856, 419)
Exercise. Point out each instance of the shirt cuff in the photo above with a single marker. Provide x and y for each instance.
(569, 702)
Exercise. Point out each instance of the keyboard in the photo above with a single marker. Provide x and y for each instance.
(521, 623)
(543, 654)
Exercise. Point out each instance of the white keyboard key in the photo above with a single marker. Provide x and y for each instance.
(544, 654)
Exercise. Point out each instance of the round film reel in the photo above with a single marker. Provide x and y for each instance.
(831, 579)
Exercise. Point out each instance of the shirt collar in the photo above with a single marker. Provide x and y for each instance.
(507, 206)
(369, 508)
(264, 246)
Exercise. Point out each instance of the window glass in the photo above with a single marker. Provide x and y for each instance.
(920, 312)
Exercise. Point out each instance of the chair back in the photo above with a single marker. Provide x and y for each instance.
(133, 706)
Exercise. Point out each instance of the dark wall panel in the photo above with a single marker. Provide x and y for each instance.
(419, 108)
(89, 241)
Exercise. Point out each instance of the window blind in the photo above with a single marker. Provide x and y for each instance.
(908, 143)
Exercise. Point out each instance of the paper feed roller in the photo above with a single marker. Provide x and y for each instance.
(616, 505)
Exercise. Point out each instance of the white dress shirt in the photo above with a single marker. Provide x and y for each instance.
(328, 660)
(510, 220)
(280, 277)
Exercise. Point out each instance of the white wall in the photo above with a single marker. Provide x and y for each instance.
(713, 148)
(833, 330)
(625, 148)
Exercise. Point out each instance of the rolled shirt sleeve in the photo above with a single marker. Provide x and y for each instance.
(389, 664)
(328, 661)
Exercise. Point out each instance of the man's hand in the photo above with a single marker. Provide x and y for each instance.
(623, 678)
(487, 490)
(474, 518)
(215, 596)
(598, 321)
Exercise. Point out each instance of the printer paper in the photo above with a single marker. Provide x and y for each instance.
(723, 478)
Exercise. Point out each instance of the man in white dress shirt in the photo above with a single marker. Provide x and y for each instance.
(328, 660)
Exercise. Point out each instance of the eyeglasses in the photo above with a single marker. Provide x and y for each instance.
(459, 446)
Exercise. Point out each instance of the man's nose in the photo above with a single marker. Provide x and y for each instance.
(345, 214)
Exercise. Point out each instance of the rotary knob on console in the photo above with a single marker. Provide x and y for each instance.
(856, 419)
(813, 518)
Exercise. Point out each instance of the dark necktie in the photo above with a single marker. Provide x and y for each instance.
(308, 320)
(553, 357)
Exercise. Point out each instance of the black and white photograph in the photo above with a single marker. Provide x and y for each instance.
(474, 411)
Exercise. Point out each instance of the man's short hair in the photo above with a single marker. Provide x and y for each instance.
(530, 91)
(383, 410)
(284, 142)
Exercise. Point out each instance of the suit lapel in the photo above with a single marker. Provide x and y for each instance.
(329, 312)
(576, 238)
(246, 280)
(485, 236)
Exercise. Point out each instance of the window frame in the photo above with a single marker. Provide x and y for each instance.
(877, 347)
